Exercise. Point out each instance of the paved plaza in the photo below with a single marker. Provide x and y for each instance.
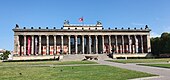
(162, 72)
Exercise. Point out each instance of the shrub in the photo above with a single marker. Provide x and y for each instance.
(5, 55)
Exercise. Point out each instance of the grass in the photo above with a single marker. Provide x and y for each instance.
(46, 63)
(90, 72)
(157, 65)
(141, 60)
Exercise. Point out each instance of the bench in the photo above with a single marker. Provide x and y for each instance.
(91, 57)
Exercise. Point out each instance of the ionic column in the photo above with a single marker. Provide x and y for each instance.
(103, 43)
(32, 45)
(116, 44)
(55, 45)
(17, 45)
(110, 41)
(47, 37)
(89, 44)
(96, 43)
(62, 43)
(136, 44)
(148, 43)
(25, 44)
(83, 44)
(141, 43)
(123, 44)
(76, 44)
(69, 48)
(130, 43)
(39, 45)
(36, 46)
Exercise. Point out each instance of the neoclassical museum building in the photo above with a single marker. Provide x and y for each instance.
(81, 39)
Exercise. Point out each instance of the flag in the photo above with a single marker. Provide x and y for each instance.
(81, 19)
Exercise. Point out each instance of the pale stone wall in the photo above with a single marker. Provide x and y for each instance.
(107, 40)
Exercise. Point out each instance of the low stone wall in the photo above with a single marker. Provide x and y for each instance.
(166, 55)
(33, 57)
(132, 55)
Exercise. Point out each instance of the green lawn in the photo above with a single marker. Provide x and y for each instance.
(46, 63)
(157, 65)
(140, 60)
(68, 73)
(21, 71)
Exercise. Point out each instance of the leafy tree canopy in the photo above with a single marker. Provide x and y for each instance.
(161, 45)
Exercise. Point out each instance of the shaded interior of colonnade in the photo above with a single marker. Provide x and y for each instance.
(120, 46)
(86, 44)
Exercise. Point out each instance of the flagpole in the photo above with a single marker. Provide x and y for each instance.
(83, 21)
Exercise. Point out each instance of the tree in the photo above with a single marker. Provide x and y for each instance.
(155, 46)
(161, 45)
(5, 55)
(165, 37)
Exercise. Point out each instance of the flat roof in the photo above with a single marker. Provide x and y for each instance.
(74, 30)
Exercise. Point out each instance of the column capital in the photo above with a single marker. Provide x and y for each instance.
(116, 36)
(61, 36)
(148, 34)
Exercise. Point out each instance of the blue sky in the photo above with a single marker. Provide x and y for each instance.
(112, 13)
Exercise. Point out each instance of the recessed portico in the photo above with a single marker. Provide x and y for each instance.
(76, 39)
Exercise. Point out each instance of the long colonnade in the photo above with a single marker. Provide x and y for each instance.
(81, 44)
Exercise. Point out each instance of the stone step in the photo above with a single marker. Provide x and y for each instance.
(78, 57)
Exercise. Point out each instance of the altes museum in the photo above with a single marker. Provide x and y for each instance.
(81, 39)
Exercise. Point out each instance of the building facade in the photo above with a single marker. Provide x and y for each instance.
(80, 39)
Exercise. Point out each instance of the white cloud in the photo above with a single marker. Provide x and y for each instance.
(138, 24)
(166, 29)
(153, 34)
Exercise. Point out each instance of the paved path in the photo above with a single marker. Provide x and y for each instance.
(51, 65)
(164, 74)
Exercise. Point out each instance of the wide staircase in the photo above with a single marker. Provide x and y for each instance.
(79, 57)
